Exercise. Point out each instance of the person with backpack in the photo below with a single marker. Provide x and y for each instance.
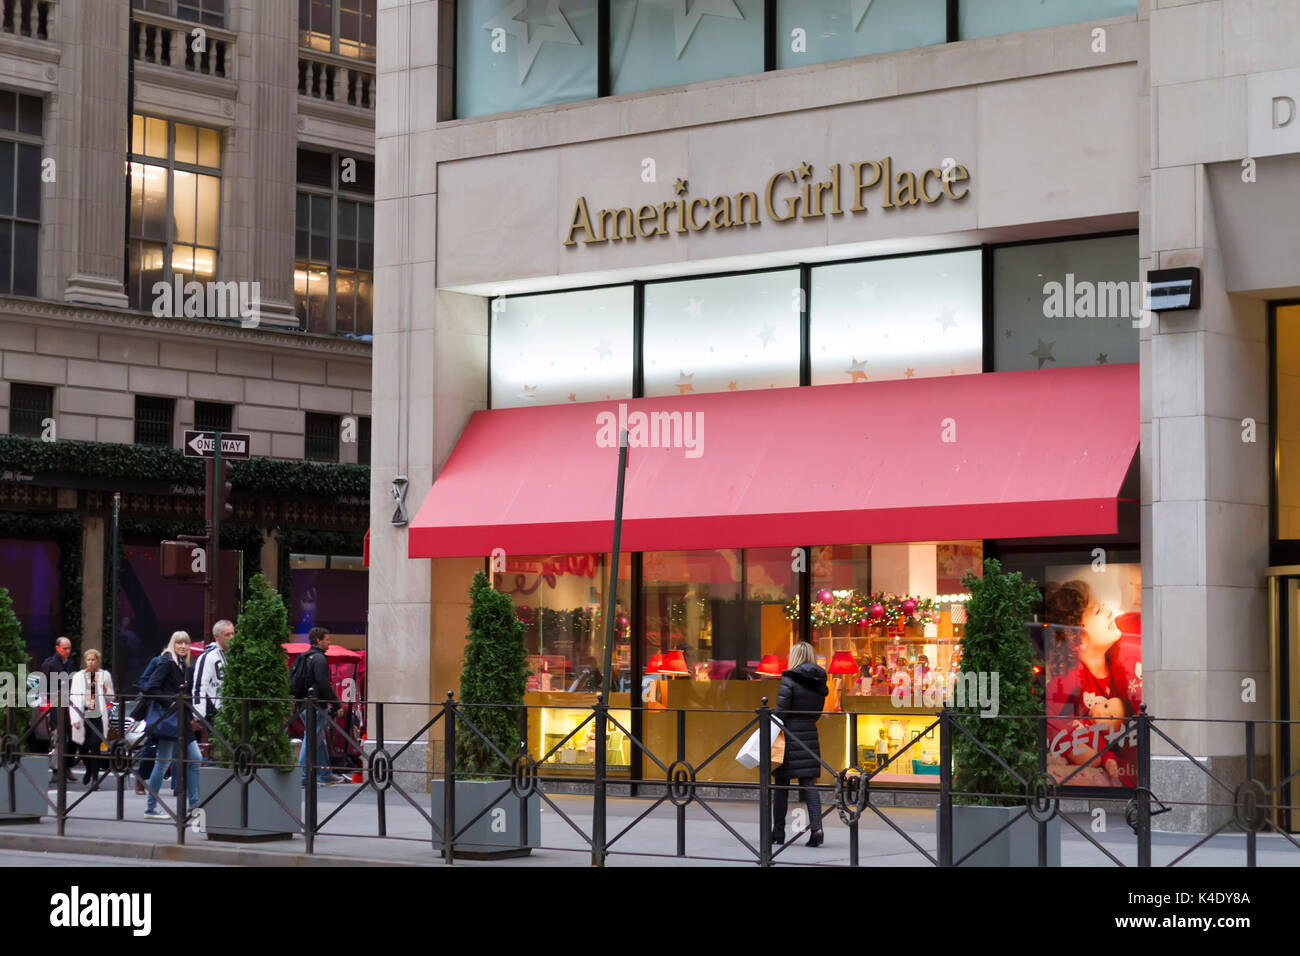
(165, 679)
(310, 678)
(210, 671)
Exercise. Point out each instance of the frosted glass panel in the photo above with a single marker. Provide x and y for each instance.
(542, 54)
(839, 29)
(725, 334)
(562, 347)
(658, 43)
(1037, 328)
(982, 18)
(913, 317)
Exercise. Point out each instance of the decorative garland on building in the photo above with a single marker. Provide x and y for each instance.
(109, 460)
(65, 528)
(848, 606)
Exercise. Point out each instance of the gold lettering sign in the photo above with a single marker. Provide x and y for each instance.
(788, 195)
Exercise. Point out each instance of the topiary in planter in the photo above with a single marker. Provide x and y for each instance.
(493, 672)
(13, 655)
(257, 669)
(995, 643)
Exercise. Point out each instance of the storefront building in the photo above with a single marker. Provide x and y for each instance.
(863, 293)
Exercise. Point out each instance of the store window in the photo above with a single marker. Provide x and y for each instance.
(658, 45)
(175, 205)
(561, 347)
(363, 440)
(980, 18)
(30, 407)
(814, 31)
(329, 591)
(210, 13)
(1287, 403)
(1059, 304)
(912, 316)
(321, 437)
(345, 27)
(511, 57)
(153, 420)
(561, 601)
(730, 333)
(214, 416)
(21, 118)
(334, 244)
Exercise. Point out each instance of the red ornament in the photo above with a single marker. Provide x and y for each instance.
(877, 612)
(864, 623)
(909, 606)
(825, 597)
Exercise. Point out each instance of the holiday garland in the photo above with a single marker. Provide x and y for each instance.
(848, 606)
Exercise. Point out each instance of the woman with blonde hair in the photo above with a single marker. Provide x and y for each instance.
(799, 702)
(92, 695)
(168, 675)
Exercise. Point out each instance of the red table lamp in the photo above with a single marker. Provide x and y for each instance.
(843, 663)
(655, 663)
(674, 664)
(769, 666)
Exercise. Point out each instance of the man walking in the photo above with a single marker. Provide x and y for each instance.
(210, 671)
(58, 669)
(310, 677)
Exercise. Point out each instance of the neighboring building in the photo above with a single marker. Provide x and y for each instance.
(250, 126)
(640, 205)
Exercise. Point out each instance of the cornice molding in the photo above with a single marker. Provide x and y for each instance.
(356, 116)
(90, 318)
(165, 79)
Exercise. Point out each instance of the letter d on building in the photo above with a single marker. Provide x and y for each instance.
(1283, 105)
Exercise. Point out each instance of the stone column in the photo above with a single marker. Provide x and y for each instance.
(93, 573)
(88, 120)
(257, 240)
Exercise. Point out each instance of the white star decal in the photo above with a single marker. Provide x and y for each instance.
(946, 320)
(605, 349)
(529, 37)
(860, 8)
(768, 335)
(686, 16)
(1043, 352)
(866, 290)
(695, 309)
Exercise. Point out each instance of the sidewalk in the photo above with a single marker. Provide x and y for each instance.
(351, 837)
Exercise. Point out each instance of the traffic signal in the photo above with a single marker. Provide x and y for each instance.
(223, 510)
(183, 560)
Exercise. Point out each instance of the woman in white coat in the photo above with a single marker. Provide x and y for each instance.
(92, 693)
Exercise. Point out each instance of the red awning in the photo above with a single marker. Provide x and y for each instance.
(1008, 454)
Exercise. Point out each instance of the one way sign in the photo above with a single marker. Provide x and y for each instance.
(203, 444)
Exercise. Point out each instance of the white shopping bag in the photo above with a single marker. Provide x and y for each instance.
(750, 752)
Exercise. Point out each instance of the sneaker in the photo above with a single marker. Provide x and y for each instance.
(155, 813)
(333, 781)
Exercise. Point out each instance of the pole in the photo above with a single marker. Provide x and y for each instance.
(612, 594)
(112, 627)
(214, 541)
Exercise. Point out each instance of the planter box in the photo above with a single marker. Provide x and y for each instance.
(1015, 846)
(500, 832)
(29, 798)
(267, 820)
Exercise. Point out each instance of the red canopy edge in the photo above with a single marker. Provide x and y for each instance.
(1010, 454)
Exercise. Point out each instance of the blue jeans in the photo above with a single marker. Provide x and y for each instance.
(166, 755)
(323, 771)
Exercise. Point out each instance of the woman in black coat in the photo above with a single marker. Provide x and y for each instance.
(799, 703)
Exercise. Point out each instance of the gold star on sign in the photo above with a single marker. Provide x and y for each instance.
(805, 170)
(731, 386)
(909, 373)
(680, 186)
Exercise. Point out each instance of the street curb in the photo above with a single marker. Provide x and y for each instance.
(222, 856)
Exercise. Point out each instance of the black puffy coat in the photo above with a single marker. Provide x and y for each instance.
(802, 689)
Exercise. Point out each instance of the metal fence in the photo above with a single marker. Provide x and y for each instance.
(1245, 803)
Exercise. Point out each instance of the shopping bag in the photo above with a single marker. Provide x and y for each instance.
(135, 732)
(778, 749)
(749, 755)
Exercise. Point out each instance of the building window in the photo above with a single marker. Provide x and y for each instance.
(210, 13)
(29, 407)
(214, 416)
(335, 244)
(1066, 303)
(979, 18)
(175, 205)
(1286, 377)
(322, 437)
(20, 191)
(654, 46)
(537, 61)
(345, 27)
(835, 30)
(906, 317)
(534, 361)
(725, 334)
(153, 420)
(363, 441)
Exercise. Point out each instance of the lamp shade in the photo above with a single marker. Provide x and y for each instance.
(674, 663)
(655, 662)
(769, 666)
(843, 663)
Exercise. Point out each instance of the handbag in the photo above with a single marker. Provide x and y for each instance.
(778, 749)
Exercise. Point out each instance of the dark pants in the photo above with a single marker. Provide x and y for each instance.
(807, 792)
(89, 749)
